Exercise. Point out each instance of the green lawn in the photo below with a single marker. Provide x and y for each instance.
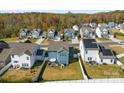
(102, 39)
(122, 60)
(117, 49)
(10, 39)
(104, 71)
(19, 75)
(70, 72)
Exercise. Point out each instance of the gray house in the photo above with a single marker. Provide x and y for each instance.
(51, 33)
(111, 25)
(87, 32)
(69, 33)
(93, 25)
(23, 33)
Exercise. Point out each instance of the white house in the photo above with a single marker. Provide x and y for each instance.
(106, 55)
(75, 27)
(23, 55)
(103, 32)
(121, 28)
(91, 52)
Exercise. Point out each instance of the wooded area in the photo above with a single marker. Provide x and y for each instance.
(10, 24)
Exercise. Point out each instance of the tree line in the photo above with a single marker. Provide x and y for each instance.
(11, 23)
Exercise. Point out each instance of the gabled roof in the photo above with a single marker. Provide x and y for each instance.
(57, 45)
(106, 53)
(90, 44)
(86, 29)
(21, 48)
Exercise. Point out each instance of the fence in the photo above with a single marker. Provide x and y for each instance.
(5, 68)
(40, 72)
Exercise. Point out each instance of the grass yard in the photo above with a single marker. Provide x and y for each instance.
(102, 39)
(116, 30)
(45, 42)
(117, 49)
(122, 60)
(120, 37)
(19, 75)
(70, 72)
(104, 71)
(33, 40)
(10, 39)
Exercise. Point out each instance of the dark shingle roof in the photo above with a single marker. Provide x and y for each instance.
(106, 53)
(55, 45)
(90, 43)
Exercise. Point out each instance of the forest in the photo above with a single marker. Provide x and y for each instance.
(11, 23)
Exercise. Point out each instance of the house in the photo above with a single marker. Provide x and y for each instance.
(35, 33)
(106, 55)
(76, 28)
(44, 34)
(40, 54)
(59, 51)
(103, 25)
(103, 32)
(121, 28)
(87, 32)
(23, 33)
(4, 54)
(69, 33)
(111, 25)
(89, 50)
(23, 55)
(93, 25)
(51, 33)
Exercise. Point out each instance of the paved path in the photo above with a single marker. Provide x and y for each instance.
(39, 41)
(82, 70)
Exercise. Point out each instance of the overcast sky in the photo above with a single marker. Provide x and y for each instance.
(54, 11)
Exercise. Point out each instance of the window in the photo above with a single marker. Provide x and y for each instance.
(86, 52)
(89, 58)
(27, 58)
(111, 60)
(15, 61)
(25, 64)
(101, 60)
(12, 56)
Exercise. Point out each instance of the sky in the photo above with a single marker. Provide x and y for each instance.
(54, 11)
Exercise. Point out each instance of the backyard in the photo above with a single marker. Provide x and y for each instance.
(19, 75)
(104, 71)
(117, 49)
(70, 72)
(122, 60)
(13, 39)
(102, 39)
